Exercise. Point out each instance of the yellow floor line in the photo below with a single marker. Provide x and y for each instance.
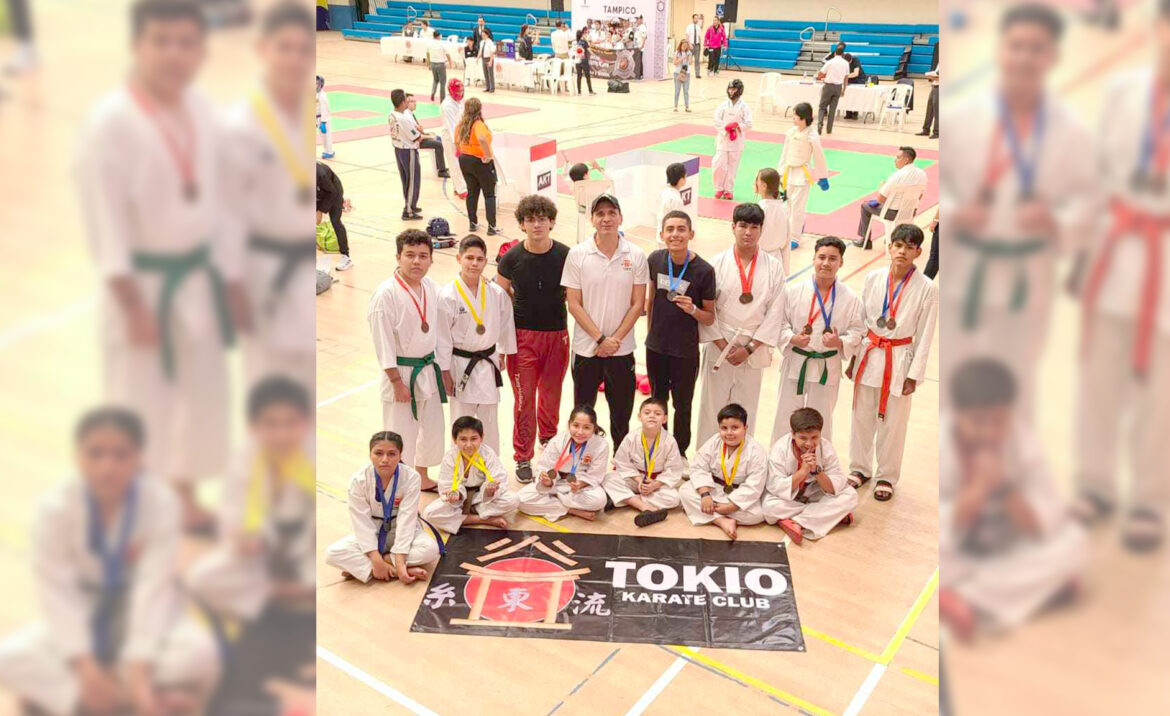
(932, 680)
(751, 681)
(546, 523)
(911, 617)
(868, 655)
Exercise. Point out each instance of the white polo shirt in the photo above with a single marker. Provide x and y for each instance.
(909, 175)
(561, 40)
(836, 70)
(606, 284)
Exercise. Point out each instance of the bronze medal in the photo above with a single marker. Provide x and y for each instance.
(891, 323)
(480, 329)
(827, 330)
(881, 321)
(745, 298)
(807, 330)
(426, 327)
(671, 295)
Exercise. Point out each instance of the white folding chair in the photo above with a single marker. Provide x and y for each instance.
(473, 71)
(895, 107)
(903, 202)
(552, 75)
(768, 87)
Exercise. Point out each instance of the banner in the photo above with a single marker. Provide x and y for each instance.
(616, 588)
(654, 12)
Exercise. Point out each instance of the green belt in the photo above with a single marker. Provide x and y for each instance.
(809, 355)
(418, 364)
(290, 254)
(987, 251)
(176, 268)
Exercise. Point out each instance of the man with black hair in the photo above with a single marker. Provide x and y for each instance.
(834, 73)
(406, 136)
(905, 174)
(749, 308)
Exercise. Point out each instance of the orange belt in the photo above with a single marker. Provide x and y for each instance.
(1127, 220)
(887, 345)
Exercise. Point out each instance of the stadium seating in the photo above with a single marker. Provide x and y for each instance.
(455, 19)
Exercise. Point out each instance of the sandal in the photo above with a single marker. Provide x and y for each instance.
(883, 491)
(1143, 531)
(856, 480)
(1091, 509)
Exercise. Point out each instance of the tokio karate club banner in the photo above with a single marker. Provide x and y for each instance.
(654, 12)
(614, 588)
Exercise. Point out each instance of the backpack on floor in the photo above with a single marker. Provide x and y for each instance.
(324, 281)
(619, 87)
(327, 238)
(439, 228)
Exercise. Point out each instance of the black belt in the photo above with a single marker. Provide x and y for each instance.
(474, 358)
(290, 253)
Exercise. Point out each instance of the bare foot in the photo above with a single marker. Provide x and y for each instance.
(417, 572)
(500, 522)
(638, 504)
(583, 514)
(729, 526)
(346, 575)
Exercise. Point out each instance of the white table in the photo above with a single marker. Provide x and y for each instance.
(857, 98)
(399, 46)
(520, 73)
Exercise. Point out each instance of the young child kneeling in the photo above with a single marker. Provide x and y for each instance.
(635, 482)
(478, 492)
(380, 547)
(728, 476)
(570, 471)
(808, 491)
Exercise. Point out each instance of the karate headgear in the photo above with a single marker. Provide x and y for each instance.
(735, 89)
(455, 89)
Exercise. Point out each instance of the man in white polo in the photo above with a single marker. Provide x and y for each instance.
(605, 281)
(905, 174)
(561, 38)
(833, 73)
(640, 35)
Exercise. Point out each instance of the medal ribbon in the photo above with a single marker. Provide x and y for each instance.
(1154, 144)
(675, 283)
(422, 311)
(729, 479)
(746, 280)
(292, 162)
(818, 301)
(184, 158)
(387, 501)
(470, 307)
(113, 561)
(648, 454)
(1025, 169)
(894, 298)
(564, 458)
(475, 460)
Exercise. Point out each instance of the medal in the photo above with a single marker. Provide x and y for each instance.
(648, 454)
(191, 192)
(892, 299)
(1025, 166)
(422, 310)
(675, 283)
(892, 323)
(827, 331)
(881, 321)
(746, 279)
(745, 298)
(296, 163)
(478, 317)
(807, 330)
(819, 302)
(480, 329)
(426, 328)
(386, 499)
(113, 560)
(183, 157)
(729, 479)
(671, 295)
(568, 452)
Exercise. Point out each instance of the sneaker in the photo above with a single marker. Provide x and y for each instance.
(473, 227)
(676, 109)
(644, 519)
(460, 195)
(328, 155)
(688, 109)
(923, 133)
(345, 264)
(445, 174)
(416, 214)
(524, 471)
(492, 231)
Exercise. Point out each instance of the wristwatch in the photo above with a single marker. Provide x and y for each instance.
(602, 339)
(748, 347)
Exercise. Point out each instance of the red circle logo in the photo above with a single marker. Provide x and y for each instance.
(525, 601)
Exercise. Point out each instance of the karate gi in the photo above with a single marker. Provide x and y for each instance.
(1003, 279)
(629, 462)
(728, 151)
(281, 514)
(142, 226)
(759, 320)
(816, 511)
(323, 124)
(148, 620)
(746, 489)
(553, 503)
(270, 208)
(407, 534)
(774, 234)
(802, 164)
(845, 314)
(399, 342)
(480, 395)
(916, 319)
(449, 517)
(1005, 575)
(1125, 350)
(452, 111)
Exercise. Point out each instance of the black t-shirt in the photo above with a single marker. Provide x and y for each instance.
(330, 193)
(539, 301)
(673, 332)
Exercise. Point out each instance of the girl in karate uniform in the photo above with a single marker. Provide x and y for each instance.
(648, 467)
(801, 164)
(478, 491)
(380, 547)
(728, 476)
(733, 118)
(570, 471)
(774, 234)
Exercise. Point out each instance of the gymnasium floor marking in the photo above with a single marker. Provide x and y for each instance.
(693, 655)
(584, 681)
(391, 693)
(659, 685)
(46, 321)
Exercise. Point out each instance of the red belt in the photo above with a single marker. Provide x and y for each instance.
(1127, 220)
(887, 345)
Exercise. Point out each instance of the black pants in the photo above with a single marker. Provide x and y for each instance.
(868, 211)
(638, 64)
(437, 145)
(21, 19)
(489, 76)
(439, 80)
(713, 60)
(339, 229)
(618, 374)
(830, 95)
(675, 377)
(931, 112)
(408, 172)
(931, 269)
(583, 70)
(479, 177)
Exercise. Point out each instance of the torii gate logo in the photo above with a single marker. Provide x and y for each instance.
(526, 592)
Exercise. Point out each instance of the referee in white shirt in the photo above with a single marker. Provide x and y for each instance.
(605, 281)
(834, 73)
(906, 175)
(640, 34)
(695, 37)
(561, 39)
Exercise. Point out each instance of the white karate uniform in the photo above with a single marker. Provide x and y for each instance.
(553, 503)
(1016, 578)
(817, 512)
(481, 396)
(846, 317)
(35, 661)
(323, 116)
(265, 203)
(1111, 394)
(409, 536)
(727, 151)
(397, 331)
(760, 320)
(133, 200)
(774, 234)
(669, 200)
(917, 316)
(629, 462)
(995, 264)
(802, 153)
(452, 111)
(449, 517)
(240, 585)
(746, 490)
